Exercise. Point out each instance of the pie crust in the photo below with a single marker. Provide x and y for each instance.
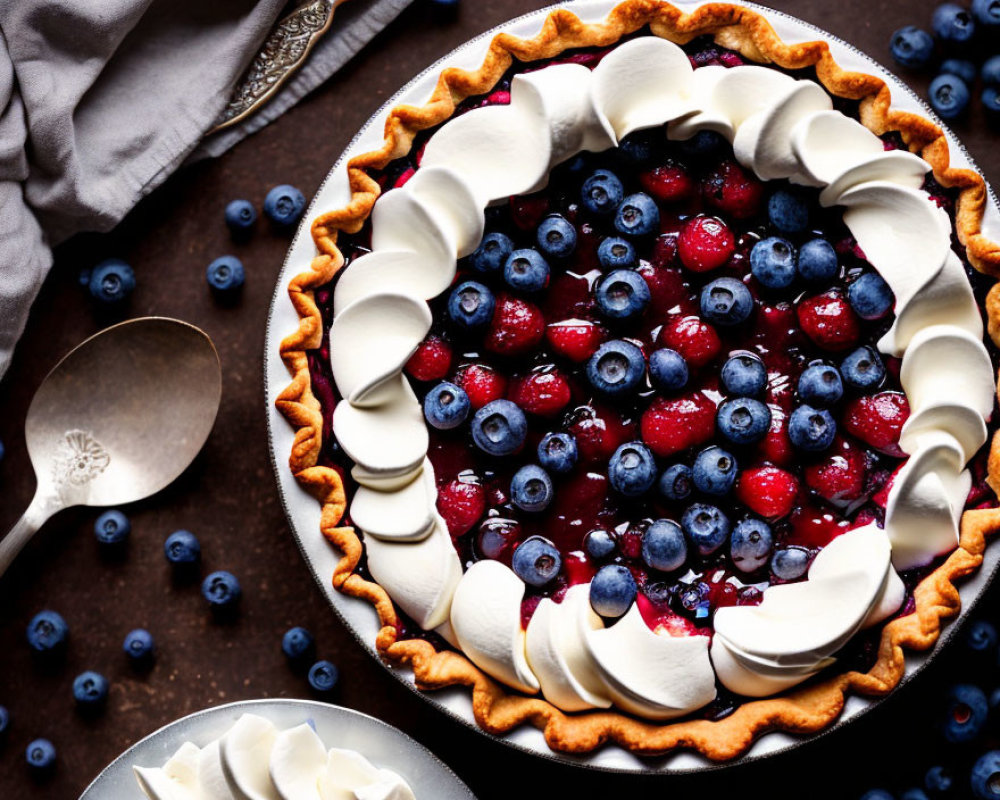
(497, 710)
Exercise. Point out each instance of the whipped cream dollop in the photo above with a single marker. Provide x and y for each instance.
(780, 128)
(256, 761)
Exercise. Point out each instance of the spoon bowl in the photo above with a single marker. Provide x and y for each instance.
(118, 419)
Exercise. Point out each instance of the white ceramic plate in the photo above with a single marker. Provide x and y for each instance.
(380, 743)
(303, 511)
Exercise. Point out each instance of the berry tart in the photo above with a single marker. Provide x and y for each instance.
(644, 382)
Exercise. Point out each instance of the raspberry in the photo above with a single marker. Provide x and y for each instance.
(705, 243)
(483, 384)
(599, 431)
(431, 361)
(827, 319)
(671, 425)
(517, 327)
(767, 491)
(542, 393)
(664, 250)
(776, 447)
(575, 339)
(461, 505)
(840, 476)
(668, 292)
(668, 182)
(406, 174)
(732, 190)
(695, 340)
(528, 210)
(877, 420)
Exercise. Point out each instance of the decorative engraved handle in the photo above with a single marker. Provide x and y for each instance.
(43, 506)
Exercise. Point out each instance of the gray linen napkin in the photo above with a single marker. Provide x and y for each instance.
(101, 100)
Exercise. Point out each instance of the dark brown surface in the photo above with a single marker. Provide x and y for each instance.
(228, 498)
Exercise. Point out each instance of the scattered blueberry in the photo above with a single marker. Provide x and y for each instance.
(323, 677)
(949, 96)
(818, 261)
(471, 304)
(638, 215)
(714, 471)
(225, 275)
(742, 420)
(991, 104)
(557, 452)
(694, 600)
(616, 368)
(726, 301)
(40, 756)
(966, 710)
(966, 70)
(298, 645)
(612, 591)
(676, 482)
(811, 429)
(446, 406)
(668, 370)
(877, 794)
(632, 470)
(47, 633)
(744, 375)
(556, 237)
(870, 296)
(912, 47)
(664, 546)
(788, 212)
(602, 192)
(938, 780)
(820, 385)
(981, 637)
(111, 282)
(985, 776)
(182, 548)
(772, 263)
(492, 253)
(622, 294)
(138, 646)
(599, 544)
(616, 253)
(987, 13)
(638, 146)
(703, 143)
(953, 25)
(790, 563)
(221, 590)
(991, 70)
(112, 528)
(706, 527)
(863, 369)
(90, 690)
(536, 561)
(751, 544)
(2, 452)
(526, 271)
(283, 205)
(531, 488)
(914, 793)
(499, 428)
(4, 722)
(240, 217)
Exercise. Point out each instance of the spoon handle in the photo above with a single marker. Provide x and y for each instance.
(26, 527)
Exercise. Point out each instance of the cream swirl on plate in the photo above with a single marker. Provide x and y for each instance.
(780, 128)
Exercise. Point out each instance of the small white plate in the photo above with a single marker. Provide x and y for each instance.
(380, 743)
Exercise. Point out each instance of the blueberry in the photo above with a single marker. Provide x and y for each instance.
(221, 590)
(987, 13)
(616, 368)
(111, 282)
(664, 546)
(602, 192)
(863, 369)
(536, 561)
(616, 253)
(138, 646)
(622, 294)
(966, 70)
(632, 470)
(599, 544)
(790, 563)
(877, 794)
(938, 780)
(986, 776)
(966, 709)
(751, 544)
(744, 375)
(557, 452)
(870, 296)
(811, 429)
(637, 215)
(949, 96)
(952, 24)
(112, 528)
(470, 305)
(991, 104)
(703, 143)
(556, 237)
(526, 271)
(612, 591)
(788, 212)
(531, 488)
(820, 385)
(714, 471)
(914, 793)
(676, 482)
(742, 420)
(47, 633)
(446, 406)
(4, 722)
(182, 549)
(726, 301)
(240, 217)
(981, 637)
(492, 253)
(323, 677)
(225, 275)
(298, 645)
(638, 147)
(90, 690)
(772, 262)
(40, 756)
(283, 205)
(818, 261)
(706, 527)
(2, 452)
(912, 47)
(990, 70)
(694, 600)
(499, 428)
(668, 370)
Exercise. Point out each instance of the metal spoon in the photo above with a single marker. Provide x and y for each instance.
(118, 419)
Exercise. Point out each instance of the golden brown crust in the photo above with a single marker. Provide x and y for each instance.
(497, 710)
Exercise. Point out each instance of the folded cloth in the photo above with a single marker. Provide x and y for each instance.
(101, 100)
